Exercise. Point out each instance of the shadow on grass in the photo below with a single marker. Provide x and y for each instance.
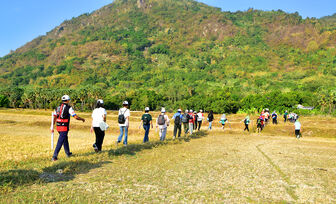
(13, 178)
(131, 149)
(60, 171)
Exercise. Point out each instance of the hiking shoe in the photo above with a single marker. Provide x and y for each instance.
(70, 154)
(95, 147)
(125, 145)
(54, 159)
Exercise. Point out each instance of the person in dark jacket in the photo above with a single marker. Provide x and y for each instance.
(210, 119)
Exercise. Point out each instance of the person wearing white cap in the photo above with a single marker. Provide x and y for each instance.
(162, 122)
(123, 120)
(185, 120)
(146, 122)
(61, 116)
(99, 124)
(200, 117)
(177, 123)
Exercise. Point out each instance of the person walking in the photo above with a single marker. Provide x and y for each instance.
(246, 123)
(191, 121)
(274, 118)
(146, 122)
(177, 123)
(99, 125)
(123, 120)
(223, 120)
(297, 129)
(285, 116)
(185, 120)
(61, 116)
(260, 124)
(200, 117)
(210, 119)
(195, 120)
(162, 122)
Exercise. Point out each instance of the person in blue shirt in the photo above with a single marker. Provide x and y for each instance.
(275, 117)
(177, 123)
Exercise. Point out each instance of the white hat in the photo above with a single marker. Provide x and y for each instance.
(163, 110)
(65, 98)
(100, 101)
(190, 111)
(186, 110)
(125, 103)
(201, 110)
(179, 110)
(147, 109)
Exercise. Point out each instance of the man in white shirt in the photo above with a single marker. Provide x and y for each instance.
(297, 127)
(123, 120)
(99, 124)
(61, 116)
(200, 117)
(162, 122)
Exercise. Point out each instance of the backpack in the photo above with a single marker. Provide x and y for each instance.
(146, 120)
(161, 120)
(121, 118)
(259, 121)
(245, 121)
(177, 120)
(185, 118)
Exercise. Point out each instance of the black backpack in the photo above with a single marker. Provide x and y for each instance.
(121, 118)
(146, 120)
(177, 120)
(185, 118)
(161, 120)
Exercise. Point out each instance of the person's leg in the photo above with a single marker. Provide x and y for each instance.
(59, 145)
(95, 145)
(126, 135)
(160, 133)
(164, 132)
(121, 128)
(195, 125)
(247, 127)
(186, 128)
(175, 131)
(199, 125)
(210, 125)
(66, 144)
(146, 127)
(102, 135)
(179, 128)
(190, 128)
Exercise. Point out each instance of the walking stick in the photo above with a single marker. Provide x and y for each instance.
(52, 133)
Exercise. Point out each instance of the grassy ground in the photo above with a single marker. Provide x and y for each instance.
(218, 166)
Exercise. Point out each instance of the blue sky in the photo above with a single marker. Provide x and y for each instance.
(23, 20)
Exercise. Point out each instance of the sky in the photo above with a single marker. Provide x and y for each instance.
(23, 20)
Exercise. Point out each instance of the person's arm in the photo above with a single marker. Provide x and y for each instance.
(54, 122)
(141, 122)
(79, 118)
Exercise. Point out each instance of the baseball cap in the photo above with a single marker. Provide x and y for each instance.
(147, 109)
(100, 101)
(125, 103)
(190, 111)
(163, 110)
(179, 110)
(65, 98)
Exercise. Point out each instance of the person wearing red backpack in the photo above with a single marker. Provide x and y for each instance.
(62, 119)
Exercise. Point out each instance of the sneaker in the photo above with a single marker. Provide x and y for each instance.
(95, 147)
(174, 138)
(69, 155)
(54, 159)
(125, 145)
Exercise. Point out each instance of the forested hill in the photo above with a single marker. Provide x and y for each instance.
(178, 53)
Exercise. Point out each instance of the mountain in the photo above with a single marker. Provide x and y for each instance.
(180, 51)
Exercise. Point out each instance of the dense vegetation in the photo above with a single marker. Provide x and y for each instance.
(177, 54)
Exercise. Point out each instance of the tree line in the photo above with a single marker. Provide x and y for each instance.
(223, 100)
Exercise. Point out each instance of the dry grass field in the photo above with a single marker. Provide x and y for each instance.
(229, 166)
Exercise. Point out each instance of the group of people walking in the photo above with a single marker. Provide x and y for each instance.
(190, 120)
